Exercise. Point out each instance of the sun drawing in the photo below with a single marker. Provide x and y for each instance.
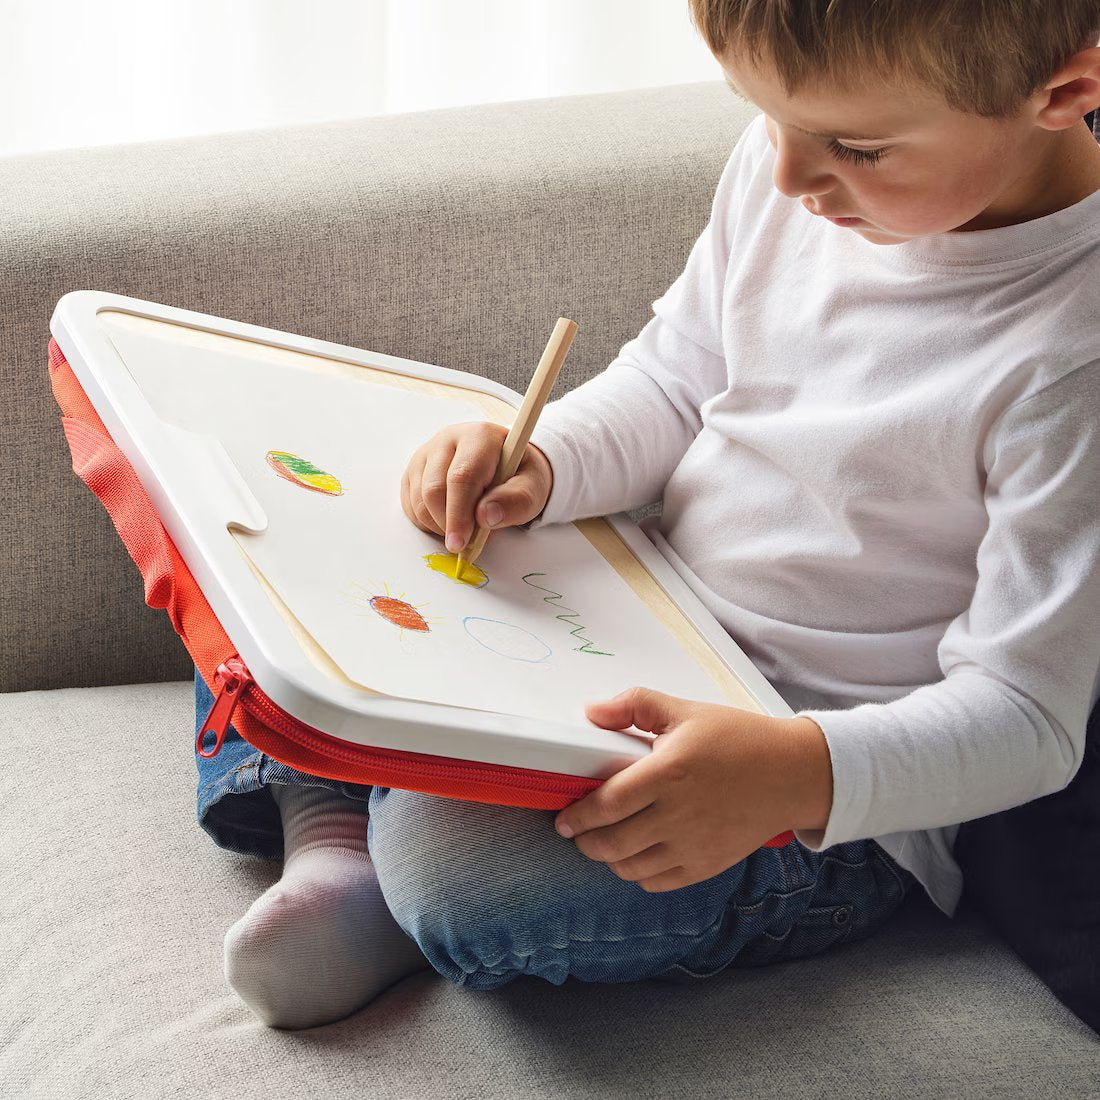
(399, 613)
(394, 609)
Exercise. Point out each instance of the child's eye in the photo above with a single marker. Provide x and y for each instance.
(855, 156)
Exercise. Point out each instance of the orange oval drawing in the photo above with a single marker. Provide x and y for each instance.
(399, 613)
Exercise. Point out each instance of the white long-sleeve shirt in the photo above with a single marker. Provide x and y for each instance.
(880, 470)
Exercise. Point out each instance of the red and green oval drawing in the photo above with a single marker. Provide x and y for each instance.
(300, 471)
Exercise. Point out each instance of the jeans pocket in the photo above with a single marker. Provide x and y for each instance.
(850, 901)
(818, 929)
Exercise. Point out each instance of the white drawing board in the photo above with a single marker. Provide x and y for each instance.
(310, 450)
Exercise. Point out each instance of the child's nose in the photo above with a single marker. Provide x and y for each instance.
(800, 170)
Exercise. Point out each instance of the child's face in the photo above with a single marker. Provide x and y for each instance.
(891, 163)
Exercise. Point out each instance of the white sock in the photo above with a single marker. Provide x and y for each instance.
(320, 943)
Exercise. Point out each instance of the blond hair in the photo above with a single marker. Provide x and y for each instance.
(983, 56)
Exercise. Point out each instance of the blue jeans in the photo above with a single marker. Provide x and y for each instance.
(493, 892)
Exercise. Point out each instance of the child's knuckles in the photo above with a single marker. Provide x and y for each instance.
(424, 517)
(462, 476)
(518, 503)
(622, 869)
(481, 438)
(674, 767)
(490, 431)
(434, 493)
(597, 847)
(633, 701)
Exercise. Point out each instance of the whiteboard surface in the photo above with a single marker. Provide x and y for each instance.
(552, 627)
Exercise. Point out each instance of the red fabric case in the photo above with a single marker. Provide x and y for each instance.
(169, 584)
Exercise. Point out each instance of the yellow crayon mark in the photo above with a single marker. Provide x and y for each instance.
(447, 564)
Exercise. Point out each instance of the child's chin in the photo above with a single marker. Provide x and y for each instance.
(875, 235)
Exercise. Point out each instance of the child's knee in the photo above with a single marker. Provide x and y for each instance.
(453, 871)
(415, 832)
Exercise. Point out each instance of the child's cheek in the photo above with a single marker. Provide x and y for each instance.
(904, 211)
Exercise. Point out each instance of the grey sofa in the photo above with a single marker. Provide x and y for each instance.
(454, 237)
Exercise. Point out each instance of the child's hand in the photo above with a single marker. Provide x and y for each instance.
(719, 783)
(442, 489)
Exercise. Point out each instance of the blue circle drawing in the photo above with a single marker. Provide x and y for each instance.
(507, 640)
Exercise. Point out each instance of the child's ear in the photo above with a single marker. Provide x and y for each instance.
(1071, 93)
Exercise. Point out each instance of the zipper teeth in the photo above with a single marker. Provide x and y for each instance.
(262, 708)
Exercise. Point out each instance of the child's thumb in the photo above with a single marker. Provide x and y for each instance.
(514, 502)
(640, 707)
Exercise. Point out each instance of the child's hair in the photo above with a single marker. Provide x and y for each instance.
(983, 56)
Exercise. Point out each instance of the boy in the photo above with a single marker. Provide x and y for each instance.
(868, 405)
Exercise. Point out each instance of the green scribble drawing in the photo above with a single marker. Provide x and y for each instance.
(570, 616)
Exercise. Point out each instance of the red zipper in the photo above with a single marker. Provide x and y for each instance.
(234, 674)
(237, 686)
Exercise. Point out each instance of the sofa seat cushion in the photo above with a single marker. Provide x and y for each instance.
(114, 905)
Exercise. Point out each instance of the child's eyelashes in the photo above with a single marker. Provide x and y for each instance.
(855, 156)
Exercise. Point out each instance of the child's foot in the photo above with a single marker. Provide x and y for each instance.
(320, 943)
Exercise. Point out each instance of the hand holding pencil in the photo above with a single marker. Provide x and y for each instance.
(471, 478)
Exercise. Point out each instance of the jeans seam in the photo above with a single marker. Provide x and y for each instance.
(740, 909)
(662, 934)
(784, 895)
(213, 787)
(884, 858)
(484, 966)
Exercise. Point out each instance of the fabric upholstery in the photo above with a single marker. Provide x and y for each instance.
(115, 904)
(451, 237)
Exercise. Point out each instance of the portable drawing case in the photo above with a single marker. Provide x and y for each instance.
(175, 497)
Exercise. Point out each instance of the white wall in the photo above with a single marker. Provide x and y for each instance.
(90, 72)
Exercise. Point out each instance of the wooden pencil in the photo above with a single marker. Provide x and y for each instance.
(515, 443)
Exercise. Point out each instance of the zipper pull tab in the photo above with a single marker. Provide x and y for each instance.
(235, 677)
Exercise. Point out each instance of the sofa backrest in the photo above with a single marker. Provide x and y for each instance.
(453, 237)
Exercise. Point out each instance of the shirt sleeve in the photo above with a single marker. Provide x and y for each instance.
(1021, 665)
(614, 441)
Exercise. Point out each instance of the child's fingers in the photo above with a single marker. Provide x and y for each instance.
(472, 468)
(522, 497)
(406, 503)
(514, 502)
(433, 482)
(441, 491)
(647, 710)
(411, 499)
(626, 794)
